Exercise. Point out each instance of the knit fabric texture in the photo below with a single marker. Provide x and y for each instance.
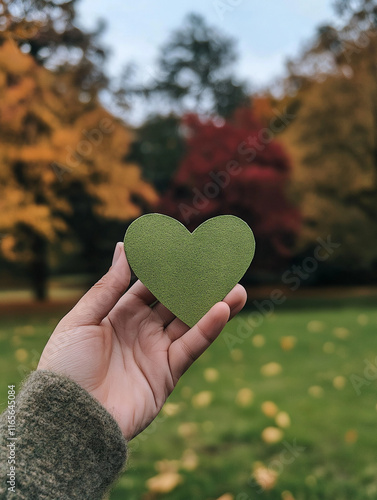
(67, 445)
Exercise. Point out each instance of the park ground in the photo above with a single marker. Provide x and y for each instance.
(287, 413)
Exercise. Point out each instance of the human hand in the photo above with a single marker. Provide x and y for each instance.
(128, 352)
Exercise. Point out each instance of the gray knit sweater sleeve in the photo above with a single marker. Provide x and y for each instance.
(66, 447)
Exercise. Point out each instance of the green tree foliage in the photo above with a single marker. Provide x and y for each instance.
(159, 149)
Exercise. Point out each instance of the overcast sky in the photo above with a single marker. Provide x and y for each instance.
(267, 31)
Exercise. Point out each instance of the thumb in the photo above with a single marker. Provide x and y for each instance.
(187, 348)
(96, 304)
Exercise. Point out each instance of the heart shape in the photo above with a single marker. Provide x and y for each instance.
(189, 272)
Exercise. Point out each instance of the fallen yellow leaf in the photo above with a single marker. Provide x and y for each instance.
(271, 369)
(282, 419)
(211, 374)
(272, 435)
(188, 429)
(258, 340)
(165, 482)
(339, 382)
(171, 409)
(287, 343)
(244, 397)
(269, 408)
(21, 355)
(189, 460)
(266, 478)
(202, 399)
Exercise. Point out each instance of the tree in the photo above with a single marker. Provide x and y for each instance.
(62, 166)
(47, 30)
(358, 10)
(333, 141)
(234, 167)
(334, 46)
(194, 72)
(158, 149)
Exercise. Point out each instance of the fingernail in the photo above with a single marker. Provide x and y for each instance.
(117, 253)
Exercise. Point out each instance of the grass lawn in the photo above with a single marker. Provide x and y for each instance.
(315, 439)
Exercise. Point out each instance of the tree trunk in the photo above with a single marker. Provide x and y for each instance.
(39, 270)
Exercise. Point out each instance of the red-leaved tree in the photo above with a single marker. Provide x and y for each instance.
(236, 167)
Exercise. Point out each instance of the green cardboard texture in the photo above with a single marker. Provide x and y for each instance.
(189, 272)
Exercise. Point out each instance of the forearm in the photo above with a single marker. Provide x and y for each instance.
(67, 445)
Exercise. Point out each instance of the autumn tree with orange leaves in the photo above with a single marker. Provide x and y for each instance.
(332, 91)
(61, 155)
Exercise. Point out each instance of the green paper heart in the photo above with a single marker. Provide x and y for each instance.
(189, 272)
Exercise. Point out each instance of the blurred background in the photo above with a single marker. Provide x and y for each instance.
(197, 109)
